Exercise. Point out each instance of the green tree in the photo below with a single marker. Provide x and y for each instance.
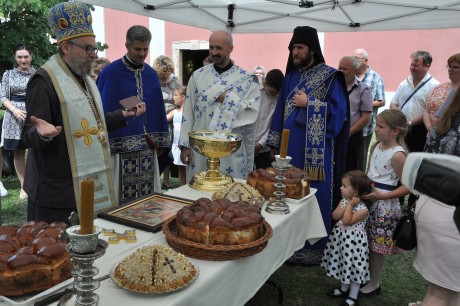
(24, 21)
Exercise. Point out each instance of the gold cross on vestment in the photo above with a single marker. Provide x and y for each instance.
(86, 132)
(315, 156)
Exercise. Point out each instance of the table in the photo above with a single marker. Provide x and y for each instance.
(231, 282)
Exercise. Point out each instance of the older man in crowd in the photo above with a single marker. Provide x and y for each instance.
(410, 98)
(372, 79)
(360, 98)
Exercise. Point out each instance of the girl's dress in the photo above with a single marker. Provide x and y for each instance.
(346, 257)
(175, 150)
(13, 88)
(383, 214)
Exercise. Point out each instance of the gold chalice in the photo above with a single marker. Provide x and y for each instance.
(213, 145)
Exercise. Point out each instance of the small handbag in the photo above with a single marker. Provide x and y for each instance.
(405, 233)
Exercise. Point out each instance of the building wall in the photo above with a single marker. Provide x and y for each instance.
(116, 24)
(268, 50)
(389, 52)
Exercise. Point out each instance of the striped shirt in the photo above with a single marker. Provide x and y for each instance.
(375, 82)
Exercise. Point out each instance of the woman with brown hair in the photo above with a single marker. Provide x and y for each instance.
(164, 67)
(441, 91)
(13, 97)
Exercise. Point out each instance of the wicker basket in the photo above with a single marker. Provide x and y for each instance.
(214, 252)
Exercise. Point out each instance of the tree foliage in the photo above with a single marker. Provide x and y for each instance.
(24, 21)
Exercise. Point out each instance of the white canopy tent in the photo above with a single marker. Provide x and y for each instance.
(282, 16)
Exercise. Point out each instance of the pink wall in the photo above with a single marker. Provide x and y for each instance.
(268, 50)
(117, 24)
(389, 52)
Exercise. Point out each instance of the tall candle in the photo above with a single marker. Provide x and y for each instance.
(87, 207)
(284, 143)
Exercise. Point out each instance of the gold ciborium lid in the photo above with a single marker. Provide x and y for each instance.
(213, 145)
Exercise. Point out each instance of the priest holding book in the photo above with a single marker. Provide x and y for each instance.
(136, 147)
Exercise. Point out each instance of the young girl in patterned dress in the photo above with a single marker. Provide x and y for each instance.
(176, 117)
(346, 255)
(385, 168)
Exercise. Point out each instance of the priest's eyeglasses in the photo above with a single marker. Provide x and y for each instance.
(89, 50)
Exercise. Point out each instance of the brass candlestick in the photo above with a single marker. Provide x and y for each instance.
(279, 206)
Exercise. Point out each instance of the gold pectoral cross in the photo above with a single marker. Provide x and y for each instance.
(86, 132)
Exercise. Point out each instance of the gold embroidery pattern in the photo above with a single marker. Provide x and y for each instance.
(320, 92)
(86, 132)
(316, 127)
(313, 79)
(101, 133)
(317, 104)
(316, 156)
(319, 74)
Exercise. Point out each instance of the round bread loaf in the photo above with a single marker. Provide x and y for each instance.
(32, 258)
(154, 269)
(220, 222)
(296, 181)
(239, 192)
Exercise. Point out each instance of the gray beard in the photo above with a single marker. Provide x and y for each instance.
(79, 69)
(78, 66)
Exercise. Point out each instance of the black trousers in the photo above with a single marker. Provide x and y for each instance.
(416, 138)
(263, 160)
(415, 141)
(355, 152)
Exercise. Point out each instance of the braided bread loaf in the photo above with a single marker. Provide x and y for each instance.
(32, 258)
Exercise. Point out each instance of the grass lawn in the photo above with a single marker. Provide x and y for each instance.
(303, 286)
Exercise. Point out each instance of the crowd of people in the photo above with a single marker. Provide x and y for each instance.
(123, 123)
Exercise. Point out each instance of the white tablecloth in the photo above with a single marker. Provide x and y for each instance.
(222, 283)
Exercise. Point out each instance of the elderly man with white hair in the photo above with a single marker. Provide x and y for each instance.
(372, 79)
(360, 97)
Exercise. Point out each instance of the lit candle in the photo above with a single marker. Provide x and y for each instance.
(87, 207)
(284, 143)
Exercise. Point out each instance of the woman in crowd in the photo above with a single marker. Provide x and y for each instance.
(259, 71)
(441, 91)
(438, 239)
(164, 66)
(98, 64)
(13, 97)
(3, 191)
